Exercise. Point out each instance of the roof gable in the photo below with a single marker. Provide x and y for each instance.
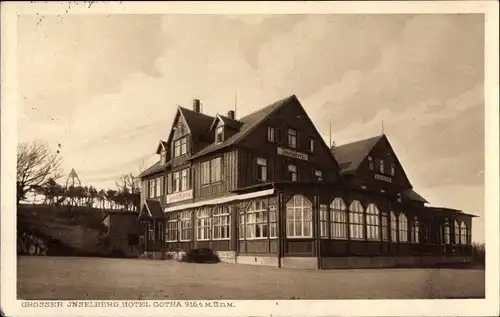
(162, 145)
(248, 124)
(151, 209)
(351, 155)
(231, 123)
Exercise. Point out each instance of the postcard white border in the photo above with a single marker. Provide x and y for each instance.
(474, 307)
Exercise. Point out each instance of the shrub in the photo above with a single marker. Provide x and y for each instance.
(202, 255)
(478, 253)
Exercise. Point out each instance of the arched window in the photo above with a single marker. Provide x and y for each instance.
(338, 218)
(385, 227)
(415, 232)
(447, 232)
(394, 227)
(299, 217)
(323, 221)
(457, 232)
(463, 233)
(403, 228)
(357, 221)
(372, 222)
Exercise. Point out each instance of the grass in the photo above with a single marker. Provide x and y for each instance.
(55, 278)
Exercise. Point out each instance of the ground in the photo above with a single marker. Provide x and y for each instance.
(53, 278)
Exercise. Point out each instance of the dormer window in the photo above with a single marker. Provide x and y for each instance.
(370, 163)
(219, 134)
(180, 147)
(163, 156)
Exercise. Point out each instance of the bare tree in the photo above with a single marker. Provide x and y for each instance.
(35, 164)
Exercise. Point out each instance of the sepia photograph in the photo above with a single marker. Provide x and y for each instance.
(165, 158)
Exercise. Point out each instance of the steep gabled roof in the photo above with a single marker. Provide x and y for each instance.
(152, 209)
(199, 123)
(351, 155)
(232, 123)
(161, 145)
(248, 124)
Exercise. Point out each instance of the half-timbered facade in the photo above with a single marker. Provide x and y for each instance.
(266, 189)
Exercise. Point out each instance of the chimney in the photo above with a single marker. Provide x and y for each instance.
(196, 105)
(230, 114)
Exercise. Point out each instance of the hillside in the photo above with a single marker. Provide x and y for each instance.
(64, 231)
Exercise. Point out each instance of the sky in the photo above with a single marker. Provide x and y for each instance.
(107, 87)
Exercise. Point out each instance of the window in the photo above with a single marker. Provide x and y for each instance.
(447, 232)
(338, 218)
(219, 134)
(241, 228)
(163, 156)
(184, 179)
(292, 169)
(273, 229)
(372, 222)
(177, 148)
(457, 232)
(205, 173)
(311, 145)
(394, 227)
(463, 233)
(183, 145)
(357, 221)
(271, 134)
(299, 217)
(203, 224)
(177, 182)
(261, 169)
(221, 223)
(172, 228)
(385, 227)
(151, 232)
(403, 228)
(415, 232)
(256, 220)
(382, 167)
(185, 226)
(292, 138)
(323, 221)
(393, 169)
(215, 170)
(159, 232)
(318, 175)
(370, 163)
(152, 188)
(180, 147)
(158, 184)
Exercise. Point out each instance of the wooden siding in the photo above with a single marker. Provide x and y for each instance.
(229, 176)
(256, 144)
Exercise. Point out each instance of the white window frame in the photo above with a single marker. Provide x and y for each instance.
(338, 219)
(394, 227)
(298, 215)
(403, 228)
(152, 188)
(318, 174)
(216, 170)
(205, 173)
(219, 134)
(172, 229)
(221, 223)
(356, 221)
(382, 167)
(262, 169)
(372, 223)
(185, 228)
(177, 148)
(176, 182)
(256, 220)
(311, 145)
(184, 179)
(292, 169)
(323, 221)
(203, 224)
(183, 145)
(415, 232)
(292, 138)
(457, 232)
(464, 233)
(271, 134)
